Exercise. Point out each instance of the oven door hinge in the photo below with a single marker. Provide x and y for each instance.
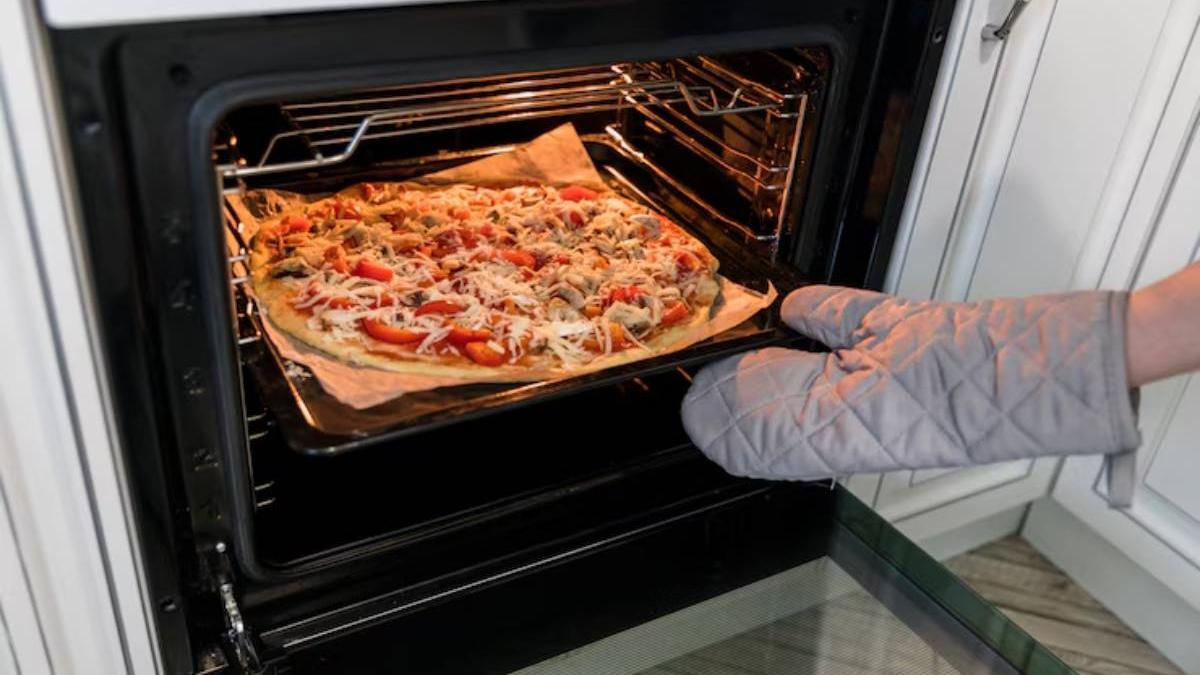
(237, 636)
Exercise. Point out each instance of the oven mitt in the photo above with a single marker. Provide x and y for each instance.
(914, 385)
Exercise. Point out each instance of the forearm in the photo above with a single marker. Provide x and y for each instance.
(1163, 328)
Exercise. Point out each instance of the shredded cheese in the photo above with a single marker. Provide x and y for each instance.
(490, 261)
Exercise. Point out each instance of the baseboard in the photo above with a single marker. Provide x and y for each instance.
(1125, 588)
(972, 535)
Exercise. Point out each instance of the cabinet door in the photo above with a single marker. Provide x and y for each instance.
(1009, 204)
(1160, 531)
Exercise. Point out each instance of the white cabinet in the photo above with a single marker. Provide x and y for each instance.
(1157, 234)
(1016, 170)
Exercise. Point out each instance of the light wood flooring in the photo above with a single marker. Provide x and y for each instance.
(1039, 598)
(853, 634)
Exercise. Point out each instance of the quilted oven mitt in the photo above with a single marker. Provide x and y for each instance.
(913, 385)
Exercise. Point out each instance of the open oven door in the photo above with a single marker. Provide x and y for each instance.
(767, 579)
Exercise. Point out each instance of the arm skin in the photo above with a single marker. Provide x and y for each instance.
(1162, 330)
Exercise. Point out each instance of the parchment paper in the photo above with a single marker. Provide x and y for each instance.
(554, 158)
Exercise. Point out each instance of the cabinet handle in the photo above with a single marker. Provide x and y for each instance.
(999, 32)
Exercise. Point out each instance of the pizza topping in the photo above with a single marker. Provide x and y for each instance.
(486, 353)
(520, 258)
(336, 257)
(488, 275)
(650, 226)
(576, 193)
(674, 311)
(369, 270)
(346, 210)
(294, 223)
(461, 336)
(393, 334)
(635, 319)
(292, 267)
(438, 307)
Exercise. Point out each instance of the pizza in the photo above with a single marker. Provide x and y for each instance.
(516, 284)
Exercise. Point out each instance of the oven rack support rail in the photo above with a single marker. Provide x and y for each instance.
(256, 425)
(331, 131)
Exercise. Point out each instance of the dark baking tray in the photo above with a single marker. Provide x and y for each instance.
(315, 423)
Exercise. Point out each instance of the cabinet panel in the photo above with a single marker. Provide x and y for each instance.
(1087, 83)
(1159, 234)
(982, 89)
(907, 494)
(1174, 468)
(1014, 211)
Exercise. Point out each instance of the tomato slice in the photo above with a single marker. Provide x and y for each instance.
(460, 336)
(346, 210)
(619, 339)
(517, 257)
(439, 307)
(674, 312)
(384, 300)
(686, 262)
(393, 334)
(369, 270)
(468, 238)
(575, 193)
(626, 294)
(484, 355)
(294, 223)
(460, 213)
(337, 259)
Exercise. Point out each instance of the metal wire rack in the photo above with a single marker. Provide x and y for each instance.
(257, 425)
(330, 131)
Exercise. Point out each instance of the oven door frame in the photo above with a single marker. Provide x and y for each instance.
(141, 102)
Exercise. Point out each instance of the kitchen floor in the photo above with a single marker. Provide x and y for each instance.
(1036, 595)
(852, 634)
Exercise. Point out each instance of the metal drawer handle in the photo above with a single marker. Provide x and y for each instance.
(994, 32)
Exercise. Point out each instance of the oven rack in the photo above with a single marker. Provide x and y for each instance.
(259, 424)
(328, 132)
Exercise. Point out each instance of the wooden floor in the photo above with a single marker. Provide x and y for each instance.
(1039, 598)
(854, 635)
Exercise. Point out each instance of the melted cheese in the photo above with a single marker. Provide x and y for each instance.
(473, 240)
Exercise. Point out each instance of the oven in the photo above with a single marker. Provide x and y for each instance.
(284, 531)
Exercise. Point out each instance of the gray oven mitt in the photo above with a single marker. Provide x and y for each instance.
(914, 385)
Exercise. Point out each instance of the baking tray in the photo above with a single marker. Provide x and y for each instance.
(315, 423)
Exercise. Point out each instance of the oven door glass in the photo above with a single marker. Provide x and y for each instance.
(777, 579)
(815, 618)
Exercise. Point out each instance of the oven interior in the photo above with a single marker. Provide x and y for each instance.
(721, 143)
